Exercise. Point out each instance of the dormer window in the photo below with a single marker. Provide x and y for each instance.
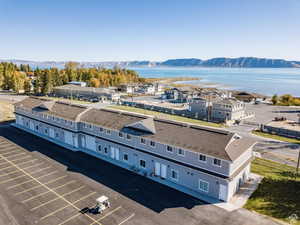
(152, 143)
(202, 158)
(217, 162)
(169, 148)
(181, 152)
(143, 141)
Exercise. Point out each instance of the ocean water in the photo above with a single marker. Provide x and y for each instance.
(267, 81)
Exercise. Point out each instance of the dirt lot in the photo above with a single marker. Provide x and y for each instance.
(6, 110)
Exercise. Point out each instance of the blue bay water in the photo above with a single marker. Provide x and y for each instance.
(267, 81)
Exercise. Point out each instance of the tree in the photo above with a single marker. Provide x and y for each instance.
(286, 99)
(17, 81)
(95, 83)
(71, 65)
(274, 99)
(27, 86)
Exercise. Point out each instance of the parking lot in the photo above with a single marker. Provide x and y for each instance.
(42, 183)
(50, 194)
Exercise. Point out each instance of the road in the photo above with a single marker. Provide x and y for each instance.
(282, 152)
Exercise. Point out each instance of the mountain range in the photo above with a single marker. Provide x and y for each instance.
(241, 62)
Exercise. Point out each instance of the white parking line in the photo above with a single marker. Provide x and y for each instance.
(22, 153)
(33, 160)
(52, 200)
(29, 156)
(38, 195)
(7, 147)
(25, 168)
(31, 180)
(11, 179)
(72, 217)
(2, 175)
(128, 218)
(10, 152)
(4, 168)
(60, 196)
(111, 212)
(52, 213)
(37, 186)
(3, 163)
(16, 171)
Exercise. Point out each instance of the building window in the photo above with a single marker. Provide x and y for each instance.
(152, 143)
(125, 157)
(143, 141)
(169, 148)
(203, 185)
(105, 150)
(174, 175)
(101, 129)
(128, 136)
(56, 135)
(46, 131)
(37, 127)
(143, 163)
(108, 131)
(121, 134)
(217, 162)
(99, 148)
(181, 152)
(202, 158)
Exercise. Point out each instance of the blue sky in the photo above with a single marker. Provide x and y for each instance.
(96, 30)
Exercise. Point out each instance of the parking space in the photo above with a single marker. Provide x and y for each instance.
(50, 185)
(49, 193)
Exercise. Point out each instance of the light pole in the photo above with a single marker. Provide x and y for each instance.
(298, 164)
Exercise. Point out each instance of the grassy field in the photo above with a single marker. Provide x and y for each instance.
(278, 195)
(276, 137)
(6, 111)
(166, 116)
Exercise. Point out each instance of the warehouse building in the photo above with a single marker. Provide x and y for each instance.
(210, 164)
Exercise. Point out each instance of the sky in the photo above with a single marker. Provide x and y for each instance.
(115, 30)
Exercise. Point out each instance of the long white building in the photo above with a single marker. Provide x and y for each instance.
(210, 164)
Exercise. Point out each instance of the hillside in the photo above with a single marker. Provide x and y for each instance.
(241, 62)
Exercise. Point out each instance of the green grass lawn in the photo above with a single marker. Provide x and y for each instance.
(166, 116)
(278, 195)
(276, 137)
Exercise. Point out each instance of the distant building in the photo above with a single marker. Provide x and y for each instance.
(227, 110)
(148, 89)
(220, 110)
(128, 88)
(87, 93)
(179, 95)
(78, 83)
(248, 97)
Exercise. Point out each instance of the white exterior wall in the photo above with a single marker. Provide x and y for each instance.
(188, 177)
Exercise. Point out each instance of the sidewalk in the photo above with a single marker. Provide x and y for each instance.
(241, 197)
